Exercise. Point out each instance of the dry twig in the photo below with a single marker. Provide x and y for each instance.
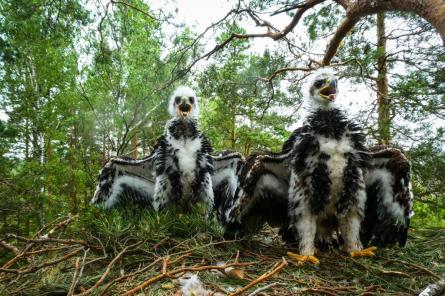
(261, 289)
(108, 269)
(40, 266)
(262, 278)
(175, 272)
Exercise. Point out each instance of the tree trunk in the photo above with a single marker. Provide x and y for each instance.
(135, 144)
(26, 136)
(233, 133)
(72, 169)
(383, 102)
(104, 150)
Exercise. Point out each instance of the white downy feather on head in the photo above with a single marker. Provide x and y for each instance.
(322, 87)
(183, 103)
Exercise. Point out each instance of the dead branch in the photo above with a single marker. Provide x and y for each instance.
(262, 278)
(31, 244)
(372, 288)
(108, 269)
(206, 246)
(393, 272)
(119, 279)
(45, 239)
(414, 266)
(77, 273)
(56, 227)
(62, 224)
(43, 265)
(165, 262)
(262, 289)
(318, 291)
(175, 272)
(181, 257)
(9, 247)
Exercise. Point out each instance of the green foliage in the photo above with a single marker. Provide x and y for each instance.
(242, 112)
(79, 84)
(428, 162)
(125, 223)
(322, 20)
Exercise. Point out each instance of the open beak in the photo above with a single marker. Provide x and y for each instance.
(184, 109)
(329, 92)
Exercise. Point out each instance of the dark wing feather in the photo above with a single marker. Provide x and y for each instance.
(226, 170)
(261, 196)
(123, 179)
(389, 198)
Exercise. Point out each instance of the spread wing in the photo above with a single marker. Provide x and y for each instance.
(389, 197)
(261, 196)
(263, 190)
(123, 179)
(226, 170)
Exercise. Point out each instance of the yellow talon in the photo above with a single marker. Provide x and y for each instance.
(368, 252)
(303, 258)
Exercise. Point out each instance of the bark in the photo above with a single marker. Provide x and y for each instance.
(104, 150)
(135, 144)
(72, 169)
(26, 136)
(233, 136)
(432, 11)
(383, 102)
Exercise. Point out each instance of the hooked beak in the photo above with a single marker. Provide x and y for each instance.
(329, 92)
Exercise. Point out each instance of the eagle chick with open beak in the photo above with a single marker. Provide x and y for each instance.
(324, 87)
(183, 103)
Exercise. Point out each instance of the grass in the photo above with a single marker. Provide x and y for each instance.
(190, 240)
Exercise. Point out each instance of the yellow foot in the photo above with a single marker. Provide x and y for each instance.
(303, 258)
(368, 252)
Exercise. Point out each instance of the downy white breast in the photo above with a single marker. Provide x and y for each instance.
(187, 152)
(336, 149)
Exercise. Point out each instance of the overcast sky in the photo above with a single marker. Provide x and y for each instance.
(199, 14)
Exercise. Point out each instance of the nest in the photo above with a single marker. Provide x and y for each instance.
(121, 253)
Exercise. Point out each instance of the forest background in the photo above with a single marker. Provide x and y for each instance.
(83, 81)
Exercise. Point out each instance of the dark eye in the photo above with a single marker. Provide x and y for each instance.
(177, 100)
(191, 100)
(319, 83)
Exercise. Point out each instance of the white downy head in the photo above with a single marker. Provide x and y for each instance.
(183, 103)
(323, 88)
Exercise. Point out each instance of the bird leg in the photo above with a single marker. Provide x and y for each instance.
(303, 221)
(350, 229)
(162, 190)
(306, 228)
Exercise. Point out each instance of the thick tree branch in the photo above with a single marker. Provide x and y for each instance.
(432, 11)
